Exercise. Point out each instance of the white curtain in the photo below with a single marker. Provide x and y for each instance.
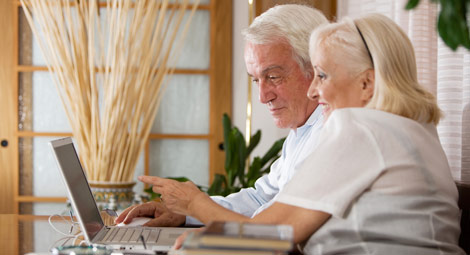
(442, 71)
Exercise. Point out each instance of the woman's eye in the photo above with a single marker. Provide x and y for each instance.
(322, 76)
(254, 80)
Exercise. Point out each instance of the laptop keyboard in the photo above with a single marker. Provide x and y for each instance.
(131, 235)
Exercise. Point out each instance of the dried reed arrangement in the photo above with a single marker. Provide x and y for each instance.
(110, 65)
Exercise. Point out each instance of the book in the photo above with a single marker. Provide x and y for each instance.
(242, 236)
(201, 251)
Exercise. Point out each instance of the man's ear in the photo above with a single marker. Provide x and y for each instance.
(368, 85)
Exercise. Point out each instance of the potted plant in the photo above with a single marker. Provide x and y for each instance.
(237, 153)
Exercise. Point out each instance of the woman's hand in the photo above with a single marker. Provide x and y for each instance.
(177, 196)
(180, 240)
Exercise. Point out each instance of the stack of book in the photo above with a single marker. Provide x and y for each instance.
(236, 238)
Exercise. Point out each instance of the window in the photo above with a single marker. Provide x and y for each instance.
(184, 139)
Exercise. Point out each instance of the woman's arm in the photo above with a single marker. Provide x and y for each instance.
(186, 198)
(304, 221)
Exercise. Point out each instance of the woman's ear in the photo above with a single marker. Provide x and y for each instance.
(368, 84)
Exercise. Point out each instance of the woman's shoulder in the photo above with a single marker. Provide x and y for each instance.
(368, 115)
(378, 122)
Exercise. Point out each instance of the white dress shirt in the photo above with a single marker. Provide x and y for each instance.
(297, 146)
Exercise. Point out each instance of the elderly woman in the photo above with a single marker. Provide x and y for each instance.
(379, 181)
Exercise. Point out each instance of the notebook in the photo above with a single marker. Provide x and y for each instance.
(86, 210)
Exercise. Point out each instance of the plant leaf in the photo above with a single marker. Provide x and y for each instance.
(254, 141)
(217, 187)
(152, 194)
(411, 4)
(447, 35)
(452, 23)
(232, 170)
(180, 179)
(241, 155)
(273, 151)
(227, 125)
(254, 172)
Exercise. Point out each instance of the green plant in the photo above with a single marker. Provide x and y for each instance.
(452, 24)
(236, 155)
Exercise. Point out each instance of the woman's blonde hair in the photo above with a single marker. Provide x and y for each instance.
(391, 56)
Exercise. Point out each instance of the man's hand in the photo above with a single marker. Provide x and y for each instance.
(179, 197)
(157, 210)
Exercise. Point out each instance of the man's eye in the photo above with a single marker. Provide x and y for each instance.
(322, 76)
(273, 77)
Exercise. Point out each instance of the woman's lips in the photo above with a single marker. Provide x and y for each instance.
(325, 107)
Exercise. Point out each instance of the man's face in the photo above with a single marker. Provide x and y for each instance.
(282, 84)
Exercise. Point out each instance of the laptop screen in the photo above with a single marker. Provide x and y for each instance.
(77, 185)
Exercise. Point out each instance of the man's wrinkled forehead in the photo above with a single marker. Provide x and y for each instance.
(271, 55)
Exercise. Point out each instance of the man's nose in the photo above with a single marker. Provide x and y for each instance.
(265, 92)
(312, 92)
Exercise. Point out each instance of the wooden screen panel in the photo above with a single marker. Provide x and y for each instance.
(8, 109)
(8, 233)
(221, 80)
(327, 7)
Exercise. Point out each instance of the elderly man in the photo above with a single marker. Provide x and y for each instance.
(277, 60)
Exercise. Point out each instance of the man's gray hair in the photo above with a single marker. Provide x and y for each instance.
(290, 22)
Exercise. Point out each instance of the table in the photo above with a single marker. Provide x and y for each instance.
(22, 234)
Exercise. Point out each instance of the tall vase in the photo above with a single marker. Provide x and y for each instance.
(112, 195)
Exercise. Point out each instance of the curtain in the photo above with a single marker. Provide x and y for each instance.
(442, 71)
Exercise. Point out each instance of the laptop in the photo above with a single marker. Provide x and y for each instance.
(86, 210)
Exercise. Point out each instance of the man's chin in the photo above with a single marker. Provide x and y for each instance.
(281, 124)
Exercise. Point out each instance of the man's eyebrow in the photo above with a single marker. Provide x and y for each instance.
(269, 68)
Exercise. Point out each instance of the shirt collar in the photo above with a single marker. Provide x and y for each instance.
(315, 117)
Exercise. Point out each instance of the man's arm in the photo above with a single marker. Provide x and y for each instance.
(246, 201)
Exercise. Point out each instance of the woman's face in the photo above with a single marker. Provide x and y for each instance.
(334, 86)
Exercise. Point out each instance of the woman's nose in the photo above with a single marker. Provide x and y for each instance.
(312, 92)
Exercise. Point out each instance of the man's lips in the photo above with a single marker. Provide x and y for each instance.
(275, 110)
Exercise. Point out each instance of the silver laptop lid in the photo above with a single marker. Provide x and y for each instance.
(78, 189)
